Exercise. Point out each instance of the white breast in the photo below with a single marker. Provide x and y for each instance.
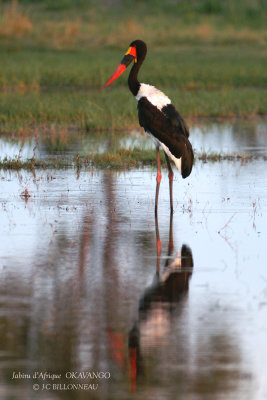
(153, 95)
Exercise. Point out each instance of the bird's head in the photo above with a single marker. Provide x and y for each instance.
(136, 52)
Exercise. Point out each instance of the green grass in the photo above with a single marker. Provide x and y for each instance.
(32, 163)
(67, 89)
(208, 56)
(187, 67)
(115, 110)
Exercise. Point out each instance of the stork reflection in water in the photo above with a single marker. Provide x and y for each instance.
(158, 303)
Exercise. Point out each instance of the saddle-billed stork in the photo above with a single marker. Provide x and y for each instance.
(158, 117)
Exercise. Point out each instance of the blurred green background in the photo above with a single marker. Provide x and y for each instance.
(208, 56)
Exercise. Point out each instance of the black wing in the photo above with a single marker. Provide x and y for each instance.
(166, 131)
(176, 119)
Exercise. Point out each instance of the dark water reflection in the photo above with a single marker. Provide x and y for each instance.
(172, 308)
(235, 137)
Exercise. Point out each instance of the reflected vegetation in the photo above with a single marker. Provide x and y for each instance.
(241, 137)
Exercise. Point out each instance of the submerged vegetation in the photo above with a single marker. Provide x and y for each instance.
(208, 56)
(123, 158)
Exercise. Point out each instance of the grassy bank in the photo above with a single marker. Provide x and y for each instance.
(208, 56)
(67, 88)
(187, 67)
(115, 110)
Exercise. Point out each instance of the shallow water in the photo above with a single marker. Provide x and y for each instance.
(243, 137)
(79, 287)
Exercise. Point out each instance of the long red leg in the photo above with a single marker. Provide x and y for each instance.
(158, 179)
(170, 179)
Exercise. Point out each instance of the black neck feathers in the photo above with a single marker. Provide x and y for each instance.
(141, 51)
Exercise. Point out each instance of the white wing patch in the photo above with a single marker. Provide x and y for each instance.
(153, 95)
(177, 161)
